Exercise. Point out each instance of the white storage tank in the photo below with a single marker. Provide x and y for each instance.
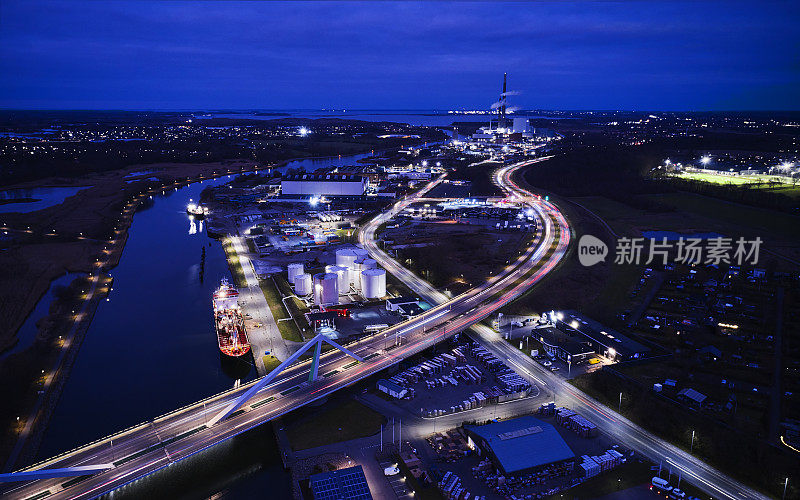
(302, 284)
(326, 289)
(360, 253)
(343, 277)
(294, 270)
(373, 283)
(355, 274)
(345, 257)
(368, 264)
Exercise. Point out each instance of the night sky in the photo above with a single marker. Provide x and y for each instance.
(593, 55)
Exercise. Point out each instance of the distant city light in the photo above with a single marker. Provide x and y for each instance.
(303, 131)
(787, 164)
(705, 160)
(313, 201)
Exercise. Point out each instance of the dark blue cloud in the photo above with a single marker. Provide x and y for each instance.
(634, 55)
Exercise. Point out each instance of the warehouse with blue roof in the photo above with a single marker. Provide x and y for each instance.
(521, 445)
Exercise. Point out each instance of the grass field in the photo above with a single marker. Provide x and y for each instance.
(287, 328)
(233, 264)
(346, 421)
(731, 179)
(778, 223)
(270, 362)
(780, 185)
(612, 212)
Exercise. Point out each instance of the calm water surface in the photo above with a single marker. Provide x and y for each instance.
(44, 196)
(151, 348)
(28, 331)
(415, 118)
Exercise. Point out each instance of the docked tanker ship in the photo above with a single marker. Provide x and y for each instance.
(231, 333)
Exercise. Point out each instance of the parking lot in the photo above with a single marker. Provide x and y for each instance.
(457, 378)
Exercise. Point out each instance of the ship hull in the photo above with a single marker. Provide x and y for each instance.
(228, 322)
(231, 334)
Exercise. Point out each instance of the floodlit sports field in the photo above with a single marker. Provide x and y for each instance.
(723, 178)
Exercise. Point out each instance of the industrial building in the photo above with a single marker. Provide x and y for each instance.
(342, 484)
(605, 341)
(391, 388)
(521, 445)
(394, 303)
(325, 319)
(324, 185)
(408, 311)
(572, 349)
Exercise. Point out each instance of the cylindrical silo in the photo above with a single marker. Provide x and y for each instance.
(343, 274)
(345, 257)
(326, 289)
(360, 253)
(294, 270)
(373, 283)
(302, 284)
(355, 274)
(368, 264)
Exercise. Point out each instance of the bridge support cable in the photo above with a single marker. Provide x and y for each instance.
(32, 475)
(316, 343)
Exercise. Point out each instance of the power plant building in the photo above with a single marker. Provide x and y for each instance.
(324, 185)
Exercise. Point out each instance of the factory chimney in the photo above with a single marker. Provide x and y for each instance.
(501, 119)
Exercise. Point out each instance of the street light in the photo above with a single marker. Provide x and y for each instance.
(705, 160)
(691, 448)
(619, 408)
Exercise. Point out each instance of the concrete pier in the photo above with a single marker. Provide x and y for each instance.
(266, 337)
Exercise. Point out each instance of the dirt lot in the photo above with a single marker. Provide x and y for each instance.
(456, 256)
(691, 213)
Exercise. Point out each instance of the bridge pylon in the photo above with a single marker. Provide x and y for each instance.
(313, 375)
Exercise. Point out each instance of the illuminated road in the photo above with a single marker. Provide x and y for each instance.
(692, 469)
(265, 337)
(154, 445)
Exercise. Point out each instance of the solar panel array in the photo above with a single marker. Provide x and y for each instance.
(344, 484)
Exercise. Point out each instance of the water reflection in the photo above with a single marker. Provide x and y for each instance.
(153, 348)
(26, 335)
(24, 200)
(195, 227)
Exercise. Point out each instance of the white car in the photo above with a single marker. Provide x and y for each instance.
(546, 362)
(391, 471)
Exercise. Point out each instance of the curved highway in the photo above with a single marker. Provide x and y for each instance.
(706, 478)
(155, 445)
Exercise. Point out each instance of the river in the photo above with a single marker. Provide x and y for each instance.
(431, 118)
(151, 348)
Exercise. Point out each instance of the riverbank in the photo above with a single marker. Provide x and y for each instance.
(35, 377)
(88, 220)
